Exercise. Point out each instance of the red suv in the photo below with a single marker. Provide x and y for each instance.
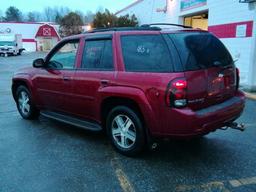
(135, 83)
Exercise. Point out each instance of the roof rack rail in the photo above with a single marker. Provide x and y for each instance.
(141, 28)
(169, 24)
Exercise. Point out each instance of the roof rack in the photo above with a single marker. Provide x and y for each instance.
(141, 28)
(169, 24)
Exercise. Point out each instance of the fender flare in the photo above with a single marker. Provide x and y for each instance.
(25, 79)
(135, 94)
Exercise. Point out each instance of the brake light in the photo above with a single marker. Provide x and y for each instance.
(177, 93)
(180, 84)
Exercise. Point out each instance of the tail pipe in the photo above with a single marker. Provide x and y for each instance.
(234, 125)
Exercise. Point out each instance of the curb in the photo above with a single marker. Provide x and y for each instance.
(250, 95)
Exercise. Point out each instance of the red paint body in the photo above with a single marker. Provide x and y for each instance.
(83, 94)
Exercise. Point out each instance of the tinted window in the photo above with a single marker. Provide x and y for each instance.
(98, 55)
(64, 57)
(201, 50)
(146, 53)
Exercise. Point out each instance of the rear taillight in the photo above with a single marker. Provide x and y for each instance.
(176, 94)
(237, 78)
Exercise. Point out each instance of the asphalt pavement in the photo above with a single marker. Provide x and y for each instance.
(47, 156)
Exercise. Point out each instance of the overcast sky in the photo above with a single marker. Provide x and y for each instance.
(83, 5)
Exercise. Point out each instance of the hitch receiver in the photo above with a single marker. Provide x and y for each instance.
(234, 125)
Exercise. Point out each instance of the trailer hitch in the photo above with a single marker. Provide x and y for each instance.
(234, 125)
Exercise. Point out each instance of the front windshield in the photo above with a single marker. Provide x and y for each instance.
(8, 43)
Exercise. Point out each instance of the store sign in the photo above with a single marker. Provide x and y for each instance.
(190, 4)
(7, 30)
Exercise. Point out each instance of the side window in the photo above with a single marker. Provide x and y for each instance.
(98, 55)
(146, 53)
(64, 57)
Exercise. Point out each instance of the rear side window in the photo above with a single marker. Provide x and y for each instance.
(201, 50)
(146, 53)
(98, 55)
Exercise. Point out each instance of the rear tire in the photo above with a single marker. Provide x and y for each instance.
(125, 131)
(24, 103)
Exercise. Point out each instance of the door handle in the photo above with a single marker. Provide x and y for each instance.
(104, 82)
(66, 78)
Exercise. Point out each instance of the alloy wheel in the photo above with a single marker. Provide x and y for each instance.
(23, 102)
(123, 131)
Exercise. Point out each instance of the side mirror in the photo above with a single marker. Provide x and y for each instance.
(39, 63)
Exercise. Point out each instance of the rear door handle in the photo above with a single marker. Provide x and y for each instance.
(66, 78)
(104, 82)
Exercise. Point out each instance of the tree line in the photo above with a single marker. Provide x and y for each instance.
(49, 14)
(70, 22)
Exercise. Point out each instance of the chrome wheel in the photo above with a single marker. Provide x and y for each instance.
(123, 131)
(23, 103)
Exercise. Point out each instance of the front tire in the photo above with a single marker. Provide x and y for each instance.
(24, 103)
(125, 130)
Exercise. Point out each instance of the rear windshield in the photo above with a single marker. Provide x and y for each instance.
(146, 53)
(200, 50)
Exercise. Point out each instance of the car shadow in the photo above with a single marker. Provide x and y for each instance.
(211, 152)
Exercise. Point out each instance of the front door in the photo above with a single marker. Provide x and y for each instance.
(54, 83)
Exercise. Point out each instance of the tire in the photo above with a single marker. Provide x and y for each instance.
(24, 103)
(125, 131)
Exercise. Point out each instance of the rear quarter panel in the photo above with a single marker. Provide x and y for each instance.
(151, 85)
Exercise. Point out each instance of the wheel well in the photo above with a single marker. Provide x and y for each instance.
(109, 103)
(15, 85)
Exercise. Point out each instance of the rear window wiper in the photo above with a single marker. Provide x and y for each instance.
(220, 64)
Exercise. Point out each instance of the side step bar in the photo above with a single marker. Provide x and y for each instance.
(72, 120)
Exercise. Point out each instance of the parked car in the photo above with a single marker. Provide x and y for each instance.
(135, 83)
(11, 44)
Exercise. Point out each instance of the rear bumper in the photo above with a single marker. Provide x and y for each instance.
(193, 123)
(4, 51)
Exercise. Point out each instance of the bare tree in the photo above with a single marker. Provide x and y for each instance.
(38, 16)
(1, 15)
(55, 14)
(100, 9)
(49, 14)
(64, 11)
(88, 18)
(31, 17)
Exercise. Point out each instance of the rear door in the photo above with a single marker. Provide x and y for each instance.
(96, 70)
(208, 67)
